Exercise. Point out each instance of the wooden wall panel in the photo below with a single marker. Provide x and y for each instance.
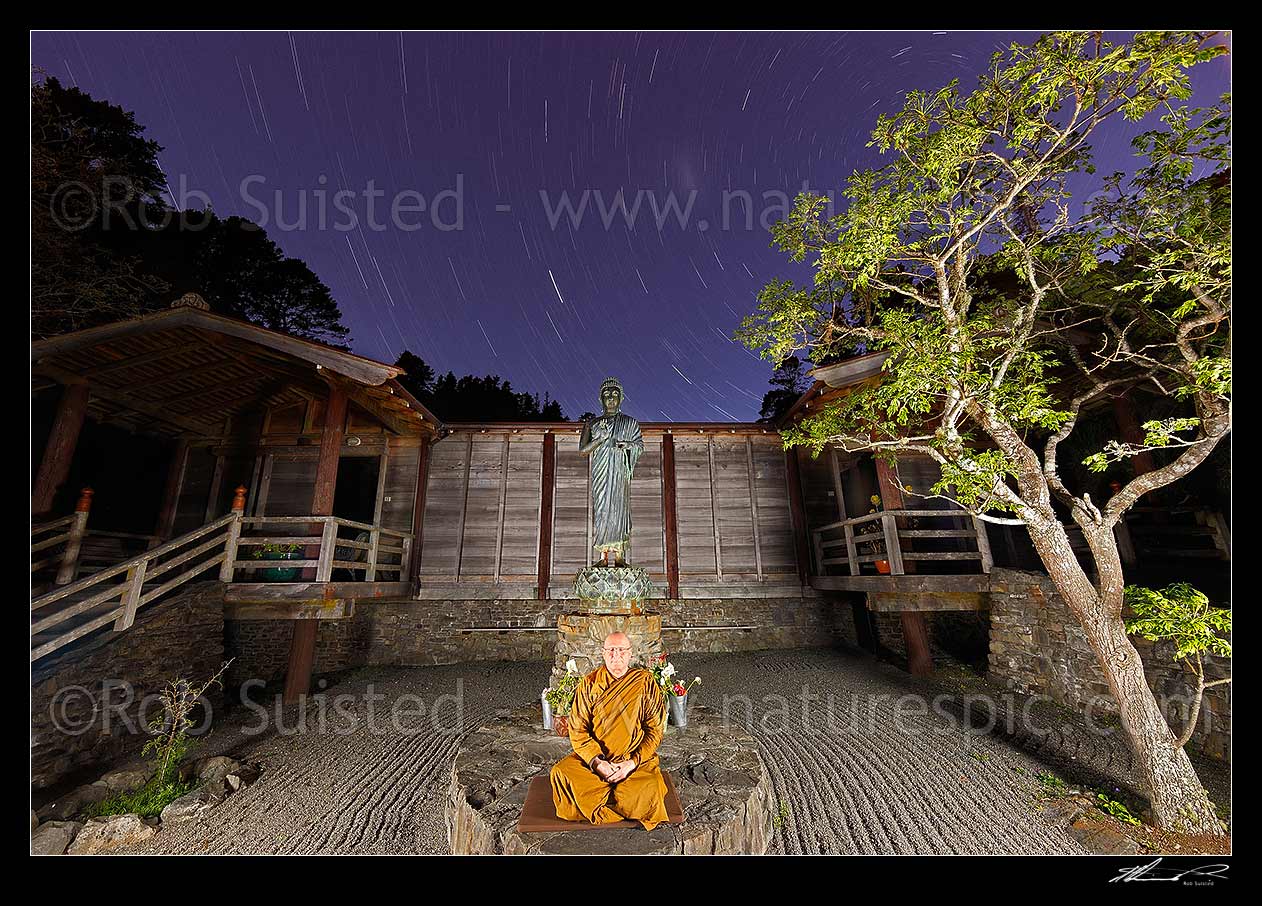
(647, 530)
(694, 505)
(400, 487)
(444, 506)
(775, 525)
(732, 497)
(519, 546)
(482, 506)
(571, 514)
(191, 509)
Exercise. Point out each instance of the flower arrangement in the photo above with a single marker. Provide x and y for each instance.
(261, 551)
(561, 696)
(664, 673)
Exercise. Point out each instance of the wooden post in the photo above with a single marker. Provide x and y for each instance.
(54, 468)
(753, 503)
(301, 660)
(413, 560)
(131, 597)
(670, 516)
(852, 551)
(983, 544)
(547, 482)
(374, 538)
(915, 629)
(302, 645)
(78, 528)
(893, 552)
(171, 492)
(797, 516)
(916, 638)
(229, 566)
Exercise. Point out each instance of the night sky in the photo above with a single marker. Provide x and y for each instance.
(496, 119)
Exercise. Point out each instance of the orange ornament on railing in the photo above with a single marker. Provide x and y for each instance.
(85, 501)
(238, 501)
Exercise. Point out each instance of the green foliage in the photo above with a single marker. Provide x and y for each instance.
(1182, 615)
(966, 260)
(1052, 784)
(1111, 806)
(561, 696)
(147, 802)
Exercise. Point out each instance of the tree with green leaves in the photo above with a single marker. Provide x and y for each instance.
(1129, 290)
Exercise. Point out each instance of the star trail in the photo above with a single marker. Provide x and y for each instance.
(554, 208)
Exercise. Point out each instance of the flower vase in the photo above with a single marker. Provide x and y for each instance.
(678, 709)
(561, 724)
(547, 710)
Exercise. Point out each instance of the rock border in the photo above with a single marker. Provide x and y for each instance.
(723, 787)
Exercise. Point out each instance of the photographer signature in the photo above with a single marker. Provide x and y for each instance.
(1151, 872)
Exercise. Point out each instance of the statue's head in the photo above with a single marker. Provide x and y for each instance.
(611, 395)
(617, 651)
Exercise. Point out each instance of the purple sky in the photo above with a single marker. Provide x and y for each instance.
(502, 118)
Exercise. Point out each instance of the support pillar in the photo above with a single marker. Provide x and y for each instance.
(302, 646)
(171, 493)
(670, 516)
(915, 629)
(54, 468)
(547, 483)
(797, 515)
(418, 510)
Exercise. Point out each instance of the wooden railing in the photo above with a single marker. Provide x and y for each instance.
(883, 536)
(59, 542)
(114, 594)
(378, 544)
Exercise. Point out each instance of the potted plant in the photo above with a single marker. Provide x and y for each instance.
(559, 698)
(278, 552)
(676, 692)
(871, 537)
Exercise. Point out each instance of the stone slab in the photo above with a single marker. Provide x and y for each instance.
(723, 789)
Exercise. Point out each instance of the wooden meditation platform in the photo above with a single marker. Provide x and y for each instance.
(538, 815)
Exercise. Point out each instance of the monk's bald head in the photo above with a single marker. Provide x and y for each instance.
(617, 651)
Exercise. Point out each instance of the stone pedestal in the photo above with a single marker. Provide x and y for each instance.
(581, 635)
(722, 784)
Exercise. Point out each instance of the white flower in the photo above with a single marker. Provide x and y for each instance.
(668, 670)
(697, 679)
(571, 666)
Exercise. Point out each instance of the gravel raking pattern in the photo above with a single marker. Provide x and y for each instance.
(892, 779)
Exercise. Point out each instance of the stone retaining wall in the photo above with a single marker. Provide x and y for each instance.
(1037, 647)
(111, 674)
(421, 633)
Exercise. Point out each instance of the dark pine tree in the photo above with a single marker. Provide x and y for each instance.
(787, 384)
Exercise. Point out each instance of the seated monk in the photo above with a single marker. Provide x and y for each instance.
(615, 728)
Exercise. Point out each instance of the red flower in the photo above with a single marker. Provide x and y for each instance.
(679, 689)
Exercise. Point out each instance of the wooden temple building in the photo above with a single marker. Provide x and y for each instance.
(272, 443)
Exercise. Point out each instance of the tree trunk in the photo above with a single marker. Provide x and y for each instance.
(1179, 802)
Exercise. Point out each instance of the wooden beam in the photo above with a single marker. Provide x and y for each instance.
(547, 484)
(301, 659)
(54, 467)
(171, 491)
(797, 514)
(155, 411)
(753, 503)
(670, 516)
(916, 640)
(418, 508)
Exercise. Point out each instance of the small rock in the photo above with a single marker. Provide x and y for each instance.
(234, 782)
(124, 781)
(216, 768)
(187, 807)
(1102, 840)
(66, 807)
(53, 837)
(105, 834)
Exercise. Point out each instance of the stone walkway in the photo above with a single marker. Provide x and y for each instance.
(860, 766)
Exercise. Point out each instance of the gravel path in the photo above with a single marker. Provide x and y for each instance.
(856, 768)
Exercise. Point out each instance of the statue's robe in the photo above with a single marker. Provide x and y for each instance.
(611, 482)
(618, 719)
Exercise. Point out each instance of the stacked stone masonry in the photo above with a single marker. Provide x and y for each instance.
(100, 692)
(422, 633)
(1037, 647)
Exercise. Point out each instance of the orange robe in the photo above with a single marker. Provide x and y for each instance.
(617, 719)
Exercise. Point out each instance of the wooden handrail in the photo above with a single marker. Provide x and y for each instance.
(891, 537)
